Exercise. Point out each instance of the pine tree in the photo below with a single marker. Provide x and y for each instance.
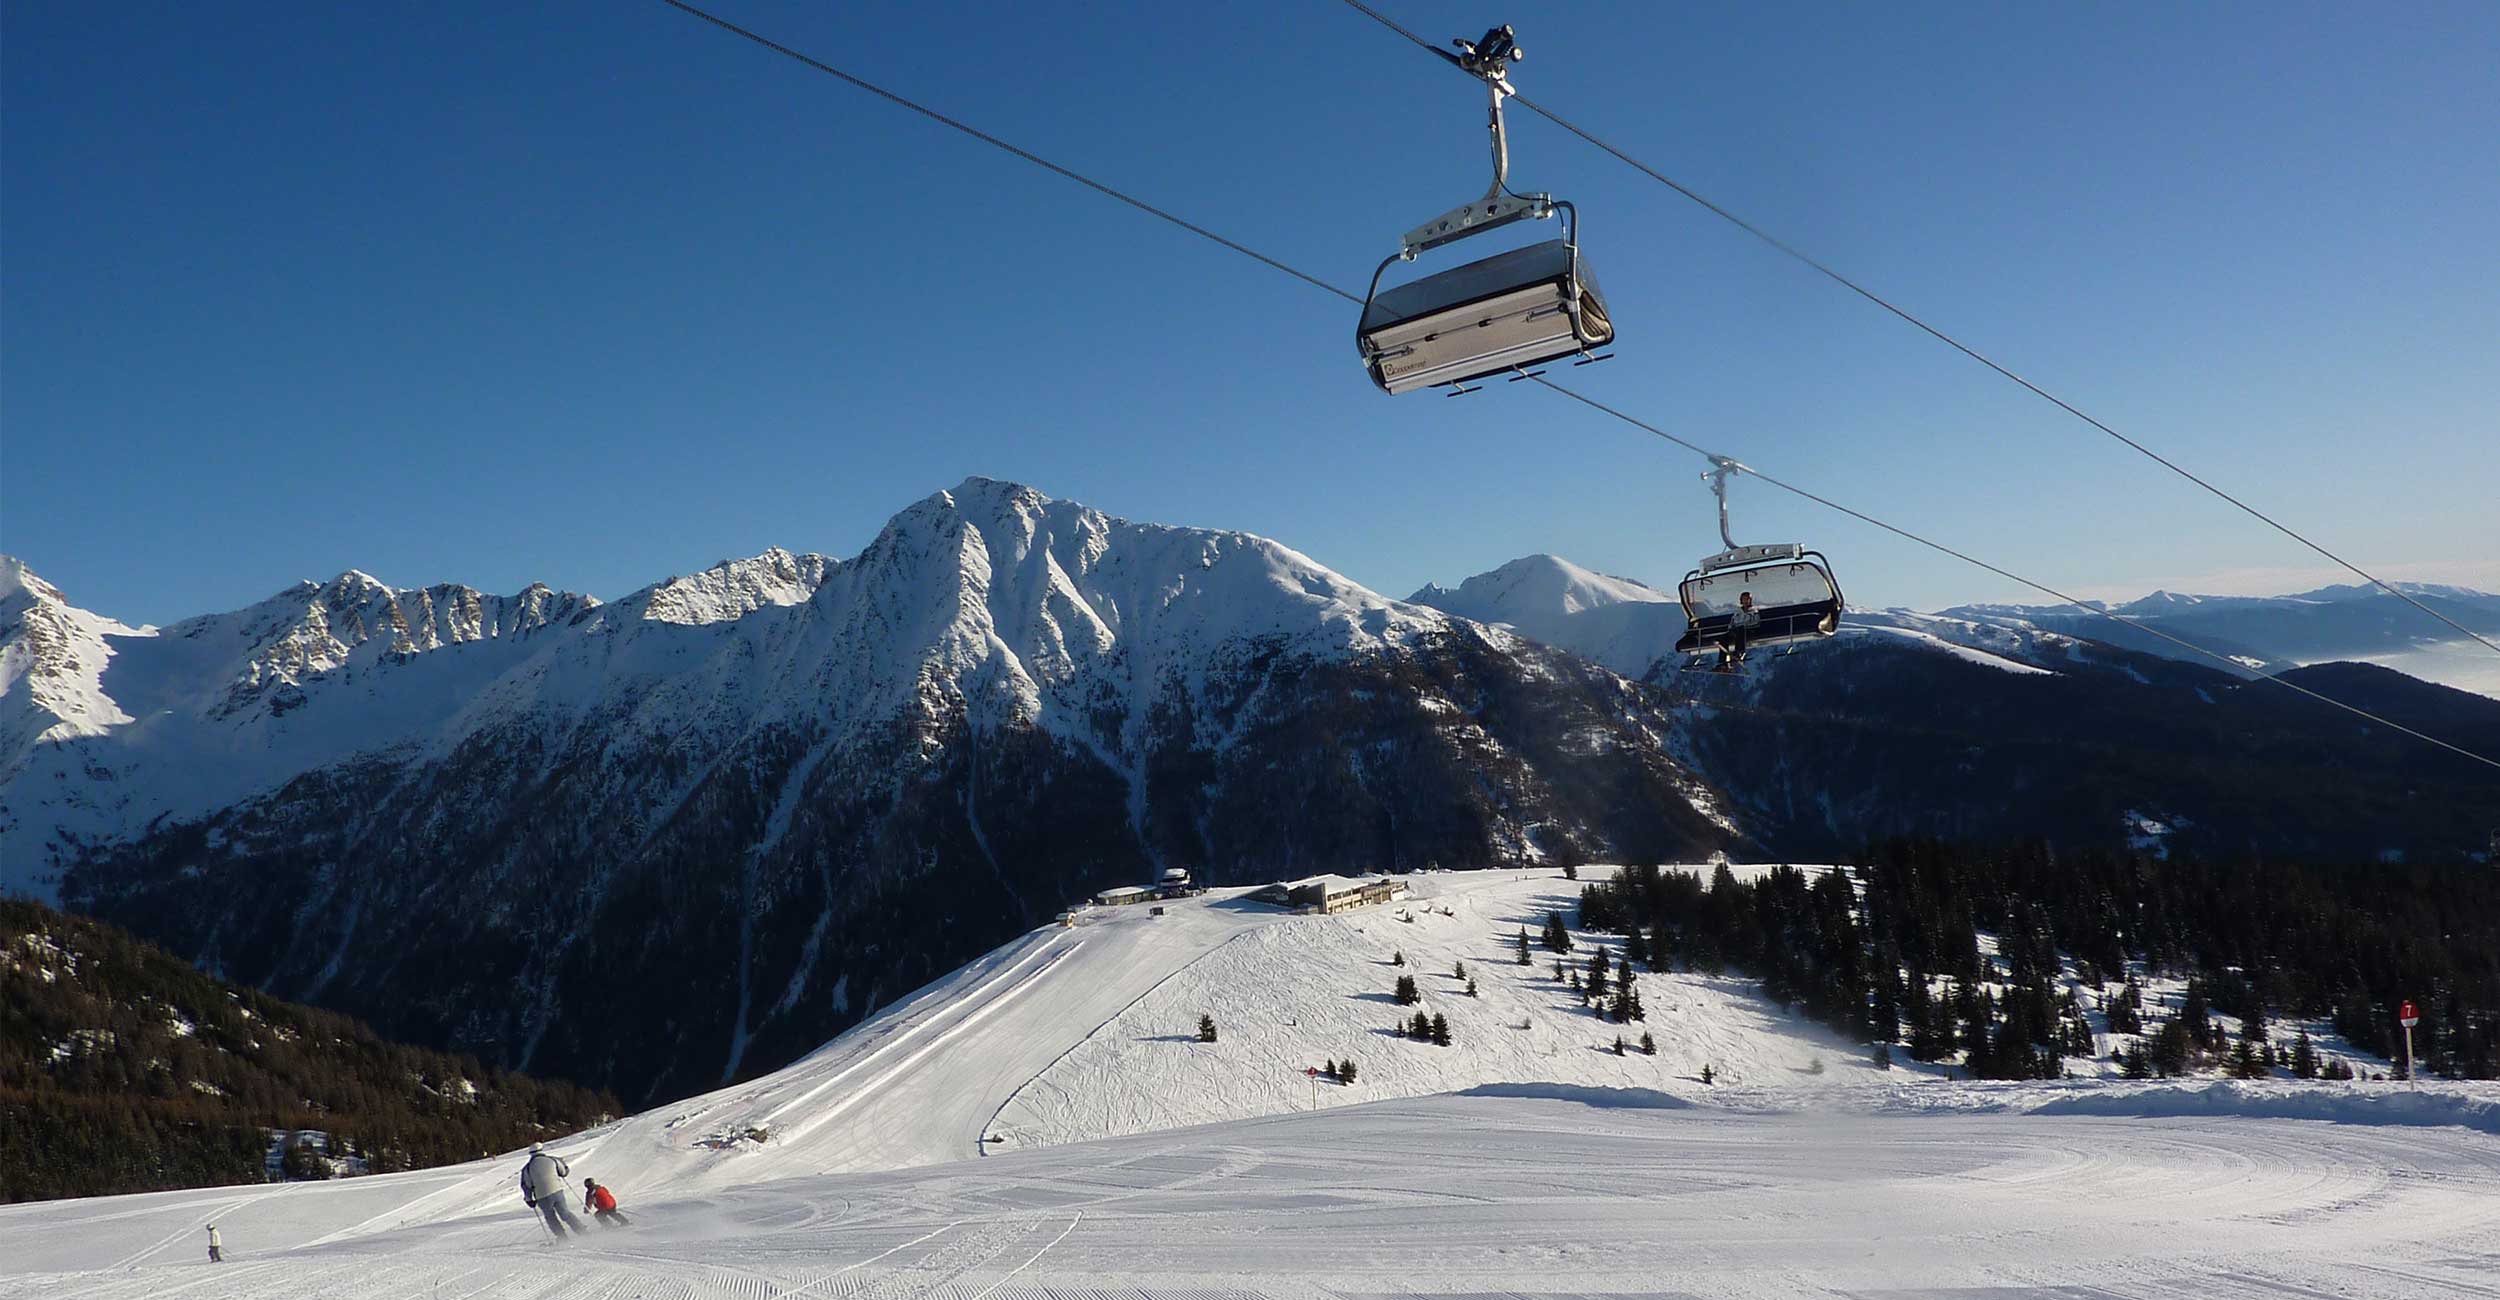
(1706, 1076)
(1557, 937)
(1618, 1044)
(1471, 987)
(2244, 1062)
(1421, 1028)
(1597, 974)
(1398, 958)
(1346, 1071)
(1649, 1045)
(2304, 1056)
(1206, 1028)
(1524, 959)
(1407, 994)
(1440, 1030)
(1458, 970)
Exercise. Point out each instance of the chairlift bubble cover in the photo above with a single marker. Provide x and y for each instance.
(1511, 310)
(1797, 599)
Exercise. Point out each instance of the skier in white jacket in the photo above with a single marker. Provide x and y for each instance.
(543, 1189)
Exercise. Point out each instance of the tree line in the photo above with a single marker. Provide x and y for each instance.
(1888, 950)
(123, 1068)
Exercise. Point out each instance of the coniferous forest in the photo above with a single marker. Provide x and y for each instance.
(125, 1069)
(1889, 951)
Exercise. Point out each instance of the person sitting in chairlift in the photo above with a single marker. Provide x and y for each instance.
(1740, 629)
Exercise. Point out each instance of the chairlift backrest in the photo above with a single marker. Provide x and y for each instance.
(1505, 312)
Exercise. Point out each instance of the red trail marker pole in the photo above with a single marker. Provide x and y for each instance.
(2408, 1017)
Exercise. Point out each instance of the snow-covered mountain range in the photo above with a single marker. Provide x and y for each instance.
(690, 834)
(1988, 722)
(1628, 625)
(2356, 622)
(772, 795)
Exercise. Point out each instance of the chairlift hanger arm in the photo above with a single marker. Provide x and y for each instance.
(1488, 59)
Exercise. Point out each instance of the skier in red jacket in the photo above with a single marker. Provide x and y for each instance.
(601, 1203)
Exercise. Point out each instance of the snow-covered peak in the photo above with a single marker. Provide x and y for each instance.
(1538, 586)
(1619, 623)
(733, 589)
(16, 579)
(52, 661)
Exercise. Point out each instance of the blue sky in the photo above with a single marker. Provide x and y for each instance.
(591, 293)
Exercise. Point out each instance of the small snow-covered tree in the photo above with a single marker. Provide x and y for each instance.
(1398, 958)
(1206, 1028)
(1707, 1077)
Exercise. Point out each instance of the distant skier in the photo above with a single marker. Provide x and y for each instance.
(602, 1205)
(543, 1190)
(216, 1246)
(1740, 630)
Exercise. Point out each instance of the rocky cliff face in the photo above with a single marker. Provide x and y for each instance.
(694, 833)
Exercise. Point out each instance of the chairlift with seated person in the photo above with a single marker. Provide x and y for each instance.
(1497, 315)
(1788, 588)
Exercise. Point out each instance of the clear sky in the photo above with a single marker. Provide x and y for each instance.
(590, 293)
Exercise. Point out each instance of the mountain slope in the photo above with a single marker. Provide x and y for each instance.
(123, 1069)
(1979, 724)
(693, 833)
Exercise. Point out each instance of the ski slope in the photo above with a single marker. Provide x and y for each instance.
(1044, 1122)
(1465, 1196)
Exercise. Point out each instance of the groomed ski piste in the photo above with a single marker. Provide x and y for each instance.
(1044, 1123)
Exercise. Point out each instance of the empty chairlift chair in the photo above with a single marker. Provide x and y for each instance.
(1496, 315)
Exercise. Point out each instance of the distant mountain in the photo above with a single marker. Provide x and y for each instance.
(689, 835)
(2270, 633)
(124, 1069)
(1976, 724)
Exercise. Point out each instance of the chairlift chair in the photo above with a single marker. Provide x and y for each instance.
(1496, 315)
(1792, 587)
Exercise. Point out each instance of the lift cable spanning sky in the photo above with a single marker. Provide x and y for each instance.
(1717, 460)
(1948, 340)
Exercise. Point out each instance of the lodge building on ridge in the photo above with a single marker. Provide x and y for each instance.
(1330, 894)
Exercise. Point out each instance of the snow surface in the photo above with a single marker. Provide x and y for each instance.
(1544, 1166)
